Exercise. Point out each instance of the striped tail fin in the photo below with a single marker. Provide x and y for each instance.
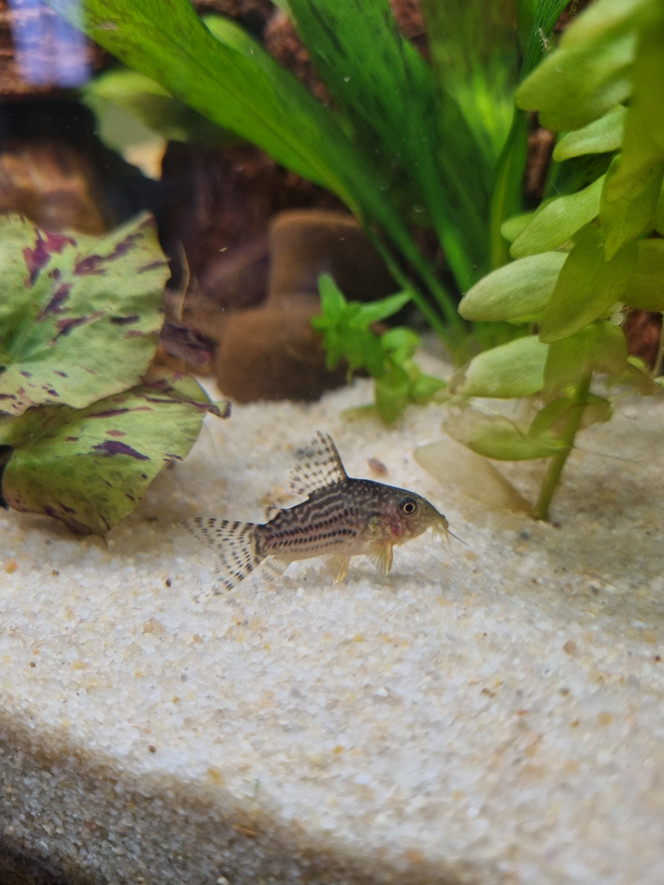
(236, 544)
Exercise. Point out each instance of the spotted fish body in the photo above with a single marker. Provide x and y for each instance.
(341, 517)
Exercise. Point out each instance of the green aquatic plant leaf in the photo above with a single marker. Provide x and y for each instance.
(497, 436)
(553, 417)
(645, 289)
(557, 220)
(517, 292)
(131, 108)
(79, 315)
(643, 140)
(387, 93)
(391, 392)
(590, 72)
(588, 286)
(600, 347)
(626, 214)
(90, 467)
(349, 332)
(658, 215)
(226, 76)
(510, 370)
(474, 51)
(346, 327)
(599, 137)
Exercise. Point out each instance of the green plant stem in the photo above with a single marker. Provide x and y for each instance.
(555, 468)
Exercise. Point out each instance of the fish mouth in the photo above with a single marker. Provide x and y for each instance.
(442, 527)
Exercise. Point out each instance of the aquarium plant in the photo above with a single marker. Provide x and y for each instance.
(407, 143)
(413, 142)
(584, 256)
(350, 334)
(85, 423)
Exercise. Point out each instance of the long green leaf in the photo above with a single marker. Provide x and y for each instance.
(227, 77)
(475, 57)
(387, 92)
(232, 81)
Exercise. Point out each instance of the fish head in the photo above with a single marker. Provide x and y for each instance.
(407, 515)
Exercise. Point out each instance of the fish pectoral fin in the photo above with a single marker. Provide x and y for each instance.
(381, 554)
(338, 566)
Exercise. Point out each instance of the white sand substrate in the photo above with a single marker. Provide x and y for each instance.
(490, 713)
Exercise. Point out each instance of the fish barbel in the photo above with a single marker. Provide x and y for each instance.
(341, 517)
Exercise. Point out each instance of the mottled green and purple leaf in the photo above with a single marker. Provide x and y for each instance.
(90, 467)
(71, 305)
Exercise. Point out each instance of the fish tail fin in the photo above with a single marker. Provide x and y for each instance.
(236, 545)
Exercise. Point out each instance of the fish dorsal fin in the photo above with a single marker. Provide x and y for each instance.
(318, 466)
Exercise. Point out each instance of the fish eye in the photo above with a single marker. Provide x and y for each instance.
(408, 506)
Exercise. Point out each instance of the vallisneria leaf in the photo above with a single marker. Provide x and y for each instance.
(79, 315)
(475, 58)
(588, 286)
(512, 369)
(516, 292)
(227, 77)
(90, 467)
(387, 92)
(557, 221)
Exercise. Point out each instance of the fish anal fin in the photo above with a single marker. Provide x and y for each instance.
(338, 565)
(274, 566)
(381, 554)
(235, 545)
(318, 466)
